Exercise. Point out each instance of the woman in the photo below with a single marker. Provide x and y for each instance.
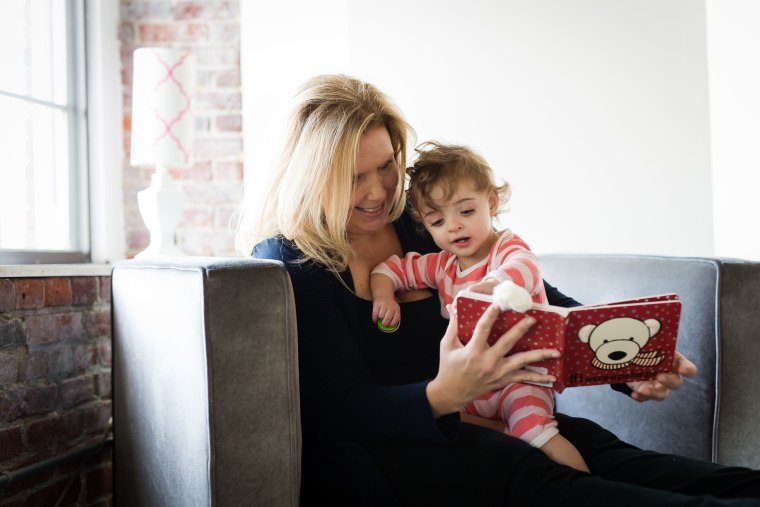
(380, 412)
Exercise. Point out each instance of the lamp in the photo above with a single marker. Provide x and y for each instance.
(162, 134)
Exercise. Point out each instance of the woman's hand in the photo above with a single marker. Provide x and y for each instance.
(466, 372)
(661, 388)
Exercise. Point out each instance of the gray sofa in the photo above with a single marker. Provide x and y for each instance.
(205, 372)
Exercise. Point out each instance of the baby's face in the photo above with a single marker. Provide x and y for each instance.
(462, 224)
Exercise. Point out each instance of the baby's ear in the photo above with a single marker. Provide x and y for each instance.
(493, 201)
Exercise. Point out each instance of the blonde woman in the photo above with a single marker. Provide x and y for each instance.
(380, 414)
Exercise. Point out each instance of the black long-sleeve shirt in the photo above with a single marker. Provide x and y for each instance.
(357, 384)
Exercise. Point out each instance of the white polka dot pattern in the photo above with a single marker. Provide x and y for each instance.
(613, 359)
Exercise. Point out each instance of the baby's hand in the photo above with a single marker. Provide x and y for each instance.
(484, 287)
(386, 309)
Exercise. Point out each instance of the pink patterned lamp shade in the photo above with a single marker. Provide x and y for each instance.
(162, 122)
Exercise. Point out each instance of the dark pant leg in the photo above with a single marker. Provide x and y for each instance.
(485, 467)
(609, 457)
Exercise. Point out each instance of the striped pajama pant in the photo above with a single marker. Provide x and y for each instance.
(527, 409)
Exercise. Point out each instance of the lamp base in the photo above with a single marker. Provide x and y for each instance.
(161, 206)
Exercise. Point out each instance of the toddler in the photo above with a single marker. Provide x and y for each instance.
(453, 194)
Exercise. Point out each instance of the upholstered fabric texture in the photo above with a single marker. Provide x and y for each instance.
(205, 369)
(714, 416)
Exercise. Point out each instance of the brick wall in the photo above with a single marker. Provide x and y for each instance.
(55, 387)
(213, 183)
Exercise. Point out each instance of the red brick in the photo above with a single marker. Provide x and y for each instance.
(134, 11)
(229, 79)
(27, 483)
(57, 291)
(137, 241)
(10, 442)
(229, 123)
(105, 355)
(217, 57)
(200, 171)
(97, 416)
(224, 32)
(39, 399)
(98, 323)
(228, 170)
(77, 390)
(85, 357)
(63, 492)
(223, 216)
(213, 243)
(205, 10)
(84, 290)
(103, 384)
(162, 32)
(30, 293)
(218, 101)
(50, 363)
(10, 404)
(99, 483)
(105, 289)
(72, 424)
(150, 33)
(7, 295)
(210, 149)
(219, 193)
(54, 327)
(11, 331)
(197, 217)
(9, 366)
(44, 433)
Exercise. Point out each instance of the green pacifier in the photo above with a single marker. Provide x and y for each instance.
(387, 329)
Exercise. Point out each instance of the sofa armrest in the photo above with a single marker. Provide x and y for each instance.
(206, 408)
(711, 417)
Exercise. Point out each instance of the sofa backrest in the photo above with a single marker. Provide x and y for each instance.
(713, 416)
(206, 408)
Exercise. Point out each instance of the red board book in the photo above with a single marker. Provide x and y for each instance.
(611, 343)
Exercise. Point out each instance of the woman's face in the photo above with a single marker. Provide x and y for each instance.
(375, 182)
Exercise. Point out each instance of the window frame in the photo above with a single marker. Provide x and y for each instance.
(78, 164)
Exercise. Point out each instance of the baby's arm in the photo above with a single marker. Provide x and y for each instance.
(384, 305)
(412, 271)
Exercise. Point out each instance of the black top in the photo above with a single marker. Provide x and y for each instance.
(357, 383)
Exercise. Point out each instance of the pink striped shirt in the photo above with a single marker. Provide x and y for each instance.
(509, 259)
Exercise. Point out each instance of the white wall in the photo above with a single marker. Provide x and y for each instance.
(596, 111)
(733, 49)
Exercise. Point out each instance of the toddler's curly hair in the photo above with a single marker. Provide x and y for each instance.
(447, 165)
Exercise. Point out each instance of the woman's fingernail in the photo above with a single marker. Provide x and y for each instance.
(530, 320)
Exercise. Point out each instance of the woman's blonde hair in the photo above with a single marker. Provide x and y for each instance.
(309, 194)
(445, 166)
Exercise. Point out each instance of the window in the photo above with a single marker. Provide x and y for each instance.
(43, 119)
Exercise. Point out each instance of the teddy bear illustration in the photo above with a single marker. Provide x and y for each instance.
(618, 342)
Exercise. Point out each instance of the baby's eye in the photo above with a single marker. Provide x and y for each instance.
(436, 223)
(467, 212)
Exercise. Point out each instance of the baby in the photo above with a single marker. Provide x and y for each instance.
(453, 194)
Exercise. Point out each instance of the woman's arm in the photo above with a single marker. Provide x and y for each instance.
(336, 386)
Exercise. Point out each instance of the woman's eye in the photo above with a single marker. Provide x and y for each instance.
(387, 165)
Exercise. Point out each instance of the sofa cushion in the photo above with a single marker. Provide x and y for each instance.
(712, 416)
